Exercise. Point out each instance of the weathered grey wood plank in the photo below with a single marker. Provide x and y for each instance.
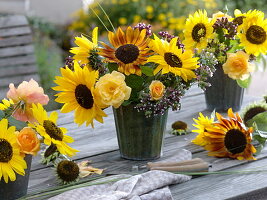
(15, 70)
(18, 79)
(16, 51)
(13, 31)
(18, 60)
(218, 187)
(13, 20)
(15, 41)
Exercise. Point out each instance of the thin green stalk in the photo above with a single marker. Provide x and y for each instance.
(99, 18)
(106, 16)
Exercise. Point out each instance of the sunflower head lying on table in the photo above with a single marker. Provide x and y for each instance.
(150, 71)
(230, 137)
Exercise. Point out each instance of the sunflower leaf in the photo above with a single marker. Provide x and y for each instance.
(261, 121)
(134, 81)
(244, 83)
(147, 70)
(112, 67)
(18, 124)
(2, 114)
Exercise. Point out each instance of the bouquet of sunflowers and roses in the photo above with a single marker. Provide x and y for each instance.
(136, 67)
(233, 43)
(24, 124)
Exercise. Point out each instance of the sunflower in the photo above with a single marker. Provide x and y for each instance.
(172, 59)
(130, 50)
(239, 17)
(202, 123)
(253, 35)
(252, 110)
(11, 160)
(198, 30)
(77, 93)
(6, 104)
(85, 48)
(230, 138)
(46, 126)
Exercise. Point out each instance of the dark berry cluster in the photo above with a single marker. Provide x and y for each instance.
(224, 23)
(142, 26)
(168, 37)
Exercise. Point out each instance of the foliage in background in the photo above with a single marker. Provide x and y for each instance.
(163, 14)
(49, 56)
(245, 5)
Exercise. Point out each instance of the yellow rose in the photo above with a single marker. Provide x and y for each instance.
(111, 90)
(28, 141)
(156, 90)
(237, 65)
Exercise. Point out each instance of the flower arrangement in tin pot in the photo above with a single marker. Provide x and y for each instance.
(141, 75)
(232, 43)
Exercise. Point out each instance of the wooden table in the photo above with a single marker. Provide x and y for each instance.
(100, 146)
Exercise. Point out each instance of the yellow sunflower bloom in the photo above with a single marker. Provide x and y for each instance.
(202, 123)
(253, 35)
(171, 59)
(198, 30)
(77, 93)
(238, 19)
(47, 127)
(230, 138)
(6, 104)
(130, 50)
(85, 47)
(11, 160)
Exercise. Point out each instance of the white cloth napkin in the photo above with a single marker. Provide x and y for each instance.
(152, 185)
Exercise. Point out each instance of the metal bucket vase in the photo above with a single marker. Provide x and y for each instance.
(139, 138)
(223, 93)
(18, 188)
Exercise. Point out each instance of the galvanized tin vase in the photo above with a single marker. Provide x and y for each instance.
(18, 188)
(223, 93)
(139, 138)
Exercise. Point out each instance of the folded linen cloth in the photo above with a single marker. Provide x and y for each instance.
(147, 186)
(152, 185)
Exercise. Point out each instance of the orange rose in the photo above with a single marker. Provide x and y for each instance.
(237, 65)
(156, 90)
(28, 141)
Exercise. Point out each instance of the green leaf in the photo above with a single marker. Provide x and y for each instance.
(126, 103)
(261, 121)
(18, 124)
(2, 114)
(134, 81)
(244, 83)
(147, 70)
(112, 67)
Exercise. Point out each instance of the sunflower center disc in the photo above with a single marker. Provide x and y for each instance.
(235, 141)
(67, 170)
(256, 34)
(173, 60)
(253, 112)
(84, 96)
(127, 53)
(52, 130)
(239, 20)
(6, 151)
(198, 32)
